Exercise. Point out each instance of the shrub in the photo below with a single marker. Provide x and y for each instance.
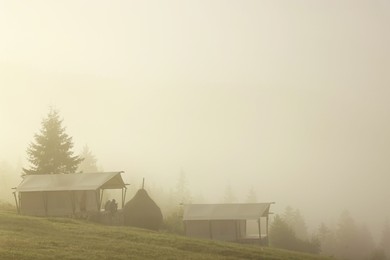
(173, 223)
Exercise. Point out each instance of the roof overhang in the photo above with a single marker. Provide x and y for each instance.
(231, 211)
(71, 182)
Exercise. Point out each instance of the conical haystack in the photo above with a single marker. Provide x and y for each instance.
(141, 211)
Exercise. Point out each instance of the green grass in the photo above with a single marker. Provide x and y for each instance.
(23, 237)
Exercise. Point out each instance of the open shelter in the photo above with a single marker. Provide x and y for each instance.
(228, 222)
(65, 194)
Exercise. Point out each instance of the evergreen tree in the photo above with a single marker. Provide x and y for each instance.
(385, 240)
(89, 162)
(378, 254)
(296, 221)
(346, 234)
(327, 240)
(365, 244)
(251, 197)
(281, 235)
(229, 196)
(354, 241)
(51, 151)
(183, 194)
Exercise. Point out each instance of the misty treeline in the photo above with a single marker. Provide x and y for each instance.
(288, 230)
(345, 240)
(51, 153)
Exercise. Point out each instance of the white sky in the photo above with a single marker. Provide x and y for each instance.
(290, 97)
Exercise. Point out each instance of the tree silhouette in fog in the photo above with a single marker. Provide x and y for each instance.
(282, 235)
(89, 161)
(385, 240)
(51, 150)
(229, 196)
(354, 241)
(251, 197)
(295, 220)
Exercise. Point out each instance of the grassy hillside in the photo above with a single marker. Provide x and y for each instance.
(24, 237)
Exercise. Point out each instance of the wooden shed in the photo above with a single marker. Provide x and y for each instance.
(65, 194)
(228, 222)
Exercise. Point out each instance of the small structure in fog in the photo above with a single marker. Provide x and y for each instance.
(228, 222)
(141, 211)
(78, 194)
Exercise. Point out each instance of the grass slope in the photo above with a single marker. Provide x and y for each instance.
(23, 237)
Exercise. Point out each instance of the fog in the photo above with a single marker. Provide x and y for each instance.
(288, 97)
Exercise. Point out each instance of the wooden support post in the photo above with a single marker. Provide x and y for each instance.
(122, 198)
(185, 227)
(20, 201)
(124, 191)
(267, 230)
(72, 202)
(259, 223)
(245, 228)
(236, 228)
(101, 198)
(210, 230)
(97, 196)
(16, 202)
(44, 197)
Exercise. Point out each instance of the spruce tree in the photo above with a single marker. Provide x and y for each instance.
(89, 162)
(51, 150)
(385, 241)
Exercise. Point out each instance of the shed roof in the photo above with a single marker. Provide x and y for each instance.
(231, 211)
(69, 182)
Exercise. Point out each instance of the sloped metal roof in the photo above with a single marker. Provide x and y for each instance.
(231, 211)
(69, 182)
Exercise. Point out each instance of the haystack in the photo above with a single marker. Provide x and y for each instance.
(141, 211)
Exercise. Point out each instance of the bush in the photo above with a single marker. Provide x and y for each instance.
(173, 223)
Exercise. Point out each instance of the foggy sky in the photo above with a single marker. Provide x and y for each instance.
(290, 97)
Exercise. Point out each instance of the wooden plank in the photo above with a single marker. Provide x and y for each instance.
(210, 230)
